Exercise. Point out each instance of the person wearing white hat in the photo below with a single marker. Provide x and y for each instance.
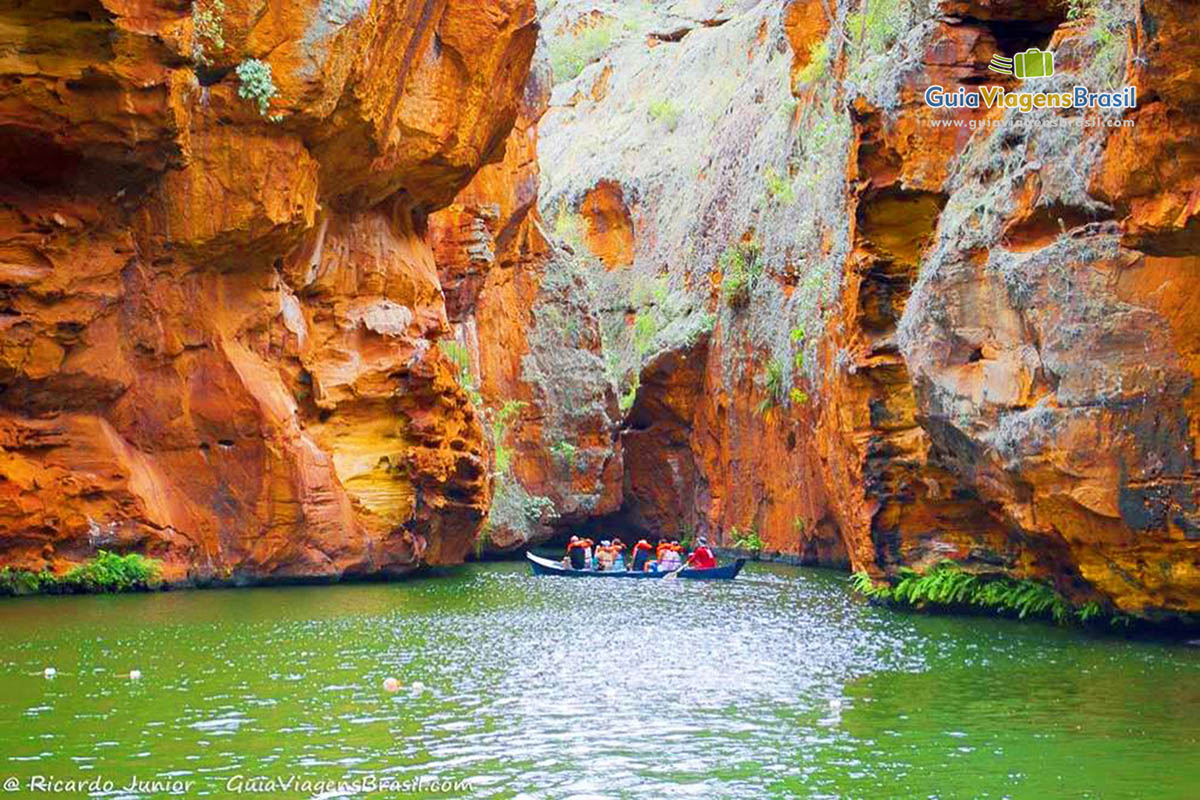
(702, 557)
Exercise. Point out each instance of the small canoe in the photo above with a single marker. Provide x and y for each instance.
(544, 566)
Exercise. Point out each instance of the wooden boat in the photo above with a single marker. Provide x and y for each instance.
(544, 566)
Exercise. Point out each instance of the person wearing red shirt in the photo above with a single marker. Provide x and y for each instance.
(702, 557)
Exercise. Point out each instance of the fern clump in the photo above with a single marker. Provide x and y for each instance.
(107, 572)
(748, 540)
(948, 585)
(20, 581)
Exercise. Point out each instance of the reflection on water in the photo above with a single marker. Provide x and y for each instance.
(778, 684)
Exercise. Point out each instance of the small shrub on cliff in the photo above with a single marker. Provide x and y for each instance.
(569, 55)
(665, 112)
(818, 62)
(741, 270)
(749, 541)
(458, 355)
(515, 510)
(877, 27)
(538, 509)
(629, 397)
(645, 329)
(208, 30)
(257, 85)
(564, 453)
(775, 387)
(501, 420)
(779, 186)
(1078, 9)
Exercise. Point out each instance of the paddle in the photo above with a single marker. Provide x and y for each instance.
(674, 574)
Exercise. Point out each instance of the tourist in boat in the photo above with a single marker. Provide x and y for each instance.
(669, 558)
(577, 552)
(604, 556)
(663, 546)
(702, 557)
(618, 554)
(642, 556)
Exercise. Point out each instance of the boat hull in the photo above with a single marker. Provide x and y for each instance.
(544, 566)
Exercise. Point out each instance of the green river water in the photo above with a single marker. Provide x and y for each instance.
(780, 684)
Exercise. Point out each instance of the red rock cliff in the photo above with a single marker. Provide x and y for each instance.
(218, 294)
(874, 332)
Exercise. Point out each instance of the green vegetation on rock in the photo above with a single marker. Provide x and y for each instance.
(748, 540)
(665, 112)
(564, 453)
(208, 29)
(570, 54)
(257, 85)
(779, 186)
(949, 586)
(458, 355)
(740, 270)
(107, 572)
(515, 509)
(502, 418)
(775, 387)
(818, 62)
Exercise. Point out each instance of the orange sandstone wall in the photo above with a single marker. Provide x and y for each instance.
(997, 348)
(217, 324)
(534, 344)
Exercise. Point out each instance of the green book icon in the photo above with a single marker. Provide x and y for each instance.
(1034, 63)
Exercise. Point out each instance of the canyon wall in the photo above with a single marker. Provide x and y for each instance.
(530, 347)
(877, 333)
(219, 300)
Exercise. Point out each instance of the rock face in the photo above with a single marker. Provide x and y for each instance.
(531, 337)
(876, 332)
(219, 294)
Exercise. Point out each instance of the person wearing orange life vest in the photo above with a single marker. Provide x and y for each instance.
(577, 552)
(618, 553)
(641, 556)
(663, 546)
(669, 558)
(702, 557)
(604, 556)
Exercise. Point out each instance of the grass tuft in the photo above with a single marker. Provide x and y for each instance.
(569, 55)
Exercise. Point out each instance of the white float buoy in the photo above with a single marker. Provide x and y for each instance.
(418, 687)
(49, 672)
(835, 704)
(391, 685)
(135, 674)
